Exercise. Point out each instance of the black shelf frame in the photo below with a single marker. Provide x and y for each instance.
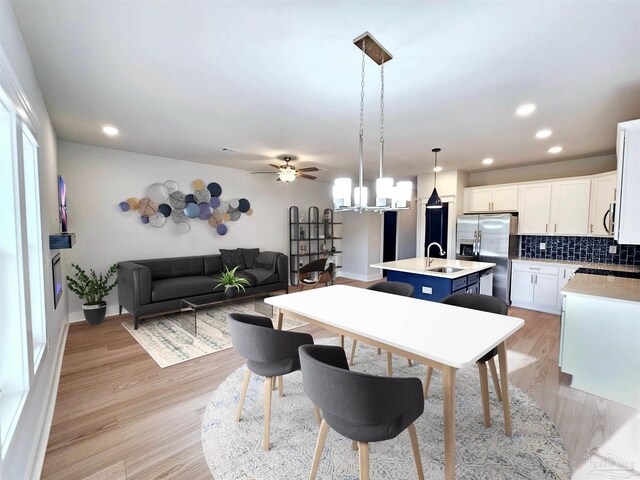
(307, 235)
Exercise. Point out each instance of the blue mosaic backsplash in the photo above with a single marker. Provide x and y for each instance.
(581, 249)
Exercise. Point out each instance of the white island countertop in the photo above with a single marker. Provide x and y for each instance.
(418, 267)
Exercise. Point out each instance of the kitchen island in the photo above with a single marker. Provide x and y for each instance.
(435, 282)
(600, 336)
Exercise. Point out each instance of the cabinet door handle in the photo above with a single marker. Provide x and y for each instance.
(546, 227)
(533, 268)
(535, 279)
(591, 228)
(489, 206)
(531, 278)
(555, 227)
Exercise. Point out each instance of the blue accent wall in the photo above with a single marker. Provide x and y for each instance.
(581, 249)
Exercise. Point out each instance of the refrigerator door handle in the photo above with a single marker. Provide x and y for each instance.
(479, 243)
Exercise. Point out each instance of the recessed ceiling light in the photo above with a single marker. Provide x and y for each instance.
(109, 130)
(437, 169)
(526, 109)
(544, 133)
(487, 161)
(556, 149)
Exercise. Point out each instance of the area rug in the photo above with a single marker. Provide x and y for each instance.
(234, 450)
(169, 342)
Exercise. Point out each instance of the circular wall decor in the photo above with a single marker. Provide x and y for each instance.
(147, 207)
(177, 200)
(157, 220)
(222, 229)
(215, 189)
(223, 207)
(144, 219)
(234, 216)
(234, 202)
(133, 203)
(170, 186)
(190, 198)
(214, 202)
(205, 211)
(164, 209)
(202, 195)
(183, 227)
(124, 206)
(192, 210)
(244, 205)
(249, 212)
(178, 216)
(213, 222)
(198, 184)
(157, 193)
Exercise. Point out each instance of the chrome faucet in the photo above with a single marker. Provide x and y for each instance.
(429, 259)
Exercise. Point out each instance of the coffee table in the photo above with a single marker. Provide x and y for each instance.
(189, 308)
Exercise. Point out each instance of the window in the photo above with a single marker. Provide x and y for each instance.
(23, 335)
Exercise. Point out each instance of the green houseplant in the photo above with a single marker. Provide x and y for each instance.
(92, 288)
(231, 283)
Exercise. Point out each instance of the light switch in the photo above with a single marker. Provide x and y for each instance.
(543, 246)
(427, 290)
(613, 249)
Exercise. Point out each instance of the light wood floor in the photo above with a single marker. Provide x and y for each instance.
(120, 416)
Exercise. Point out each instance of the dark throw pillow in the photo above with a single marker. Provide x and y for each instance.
(232, 259)
(249, 256)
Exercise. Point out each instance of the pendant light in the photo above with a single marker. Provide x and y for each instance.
(388, 197)
(434, 200)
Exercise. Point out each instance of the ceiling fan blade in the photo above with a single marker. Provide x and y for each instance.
(278, 179)
(310, 177)
(270, 173)
(274, 166)
(309, 169)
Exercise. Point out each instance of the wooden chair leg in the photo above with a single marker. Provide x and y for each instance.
(427, 381)
(341, 341)
(409, 362)
(354, 445)
(416, 450)
(243, 393)
(494, 377)
(379, 351)
(316, 409)
(268, 388)
(389, 364)
(322, 436)
(363, 448)
(281, 386)
(484, 389)
(354, 344)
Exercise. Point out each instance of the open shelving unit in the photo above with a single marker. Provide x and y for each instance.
(312, 239)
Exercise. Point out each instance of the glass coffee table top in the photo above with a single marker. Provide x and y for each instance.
(189, 308)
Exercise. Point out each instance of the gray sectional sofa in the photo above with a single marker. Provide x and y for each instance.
(147, 287)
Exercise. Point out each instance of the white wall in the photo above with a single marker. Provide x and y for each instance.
(546, 171)
(407, 224)
(361, 245)
(98, 179)
(26, 450)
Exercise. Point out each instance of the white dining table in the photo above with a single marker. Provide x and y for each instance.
(440, 336)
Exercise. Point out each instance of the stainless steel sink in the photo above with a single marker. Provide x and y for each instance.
(445, 269)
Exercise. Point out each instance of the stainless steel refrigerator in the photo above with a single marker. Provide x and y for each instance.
(490, 238)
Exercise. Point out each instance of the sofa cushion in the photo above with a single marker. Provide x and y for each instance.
(241, 274)
(249, 256)
(212, 264)
(232, 259)
(262, 276)
(181, 287)
(266, 261)
(174, 267)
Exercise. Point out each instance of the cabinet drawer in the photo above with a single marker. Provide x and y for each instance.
(458, 283)
(473, 278)
(535, 268)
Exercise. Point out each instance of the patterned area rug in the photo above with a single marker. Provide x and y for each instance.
(234, 450)
(170, 341)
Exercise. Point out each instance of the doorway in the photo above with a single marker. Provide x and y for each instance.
(436, 229)
(389, 237)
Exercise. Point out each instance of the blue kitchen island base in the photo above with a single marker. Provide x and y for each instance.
(434, 289)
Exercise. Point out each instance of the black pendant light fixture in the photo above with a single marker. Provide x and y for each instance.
(434, 200)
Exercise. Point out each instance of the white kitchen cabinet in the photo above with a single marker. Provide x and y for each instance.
(603, 194)
(627, 220)
(535, 209)
(564, 274)
(535, 287)
(492, 199)
(570, 207)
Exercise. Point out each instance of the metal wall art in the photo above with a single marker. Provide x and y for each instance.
(165, 201)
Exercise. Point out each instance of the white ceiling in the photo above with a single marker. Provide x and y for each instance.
(182, 79)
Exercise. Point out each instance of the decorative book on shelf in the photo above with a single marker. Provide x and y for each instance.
(312, 237)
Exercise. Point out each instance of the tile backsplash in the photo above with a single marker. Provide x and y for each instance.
(582, 249)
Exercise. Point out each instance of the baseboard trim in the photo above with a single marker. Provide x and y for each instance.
(364, 278)
(536, 307)
(47, 417)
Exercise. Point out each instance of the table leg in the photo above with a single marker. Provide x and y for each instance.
(502, 361)
(449, 422)
(280, 318)
(341, 341)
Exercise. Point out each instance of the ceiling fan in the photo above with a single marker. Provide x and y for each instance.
(288, 172)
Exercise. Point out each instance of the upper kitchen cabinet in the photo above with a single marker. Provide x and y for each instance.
(603, 196)
(570, 207)
(627, 221)
(535, 208)
(491, 199)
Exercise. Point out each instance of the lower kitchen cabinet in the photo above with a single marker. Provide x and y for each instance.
(535, 287)
(435, 288)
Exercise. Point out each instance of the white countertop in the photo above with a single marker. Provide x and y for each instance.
(450, 335)
(418, 266)
(606, 286)
(575, 263)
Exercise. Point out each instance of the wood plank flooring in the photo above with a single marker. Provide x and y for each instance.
(120, 416)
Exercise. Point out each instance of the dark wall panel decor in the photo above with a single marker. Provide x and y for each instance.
(582, 249)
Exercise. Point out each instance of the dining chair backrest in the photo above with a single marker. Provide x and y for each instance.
(476, 301)
(395, 288)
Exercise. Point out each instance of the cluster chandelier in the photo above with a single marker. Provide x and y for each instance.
(389, 197)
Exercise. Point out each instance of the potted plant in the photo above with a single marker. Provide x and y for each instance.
(92, 288)
(231, 283)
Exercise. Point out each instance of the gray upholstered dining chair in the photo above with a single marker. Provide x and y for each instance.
(270, 353)
(394, 288)
(363, 408)
(488, 304)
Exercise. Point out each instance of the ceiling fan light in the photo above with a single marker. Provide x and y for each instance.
(287, 175)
